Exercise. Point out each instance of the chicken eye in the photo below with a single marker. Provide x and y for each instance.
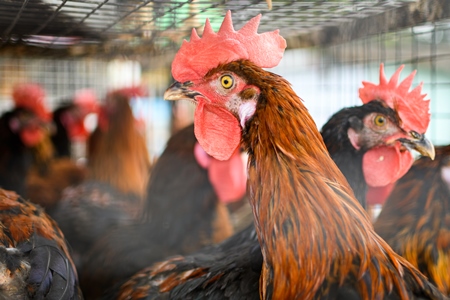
(415, 135)
(380, 120)
(227, 81)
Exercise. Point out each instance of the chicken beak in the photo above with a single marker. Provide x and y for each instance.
(421, 145)
(180, 91)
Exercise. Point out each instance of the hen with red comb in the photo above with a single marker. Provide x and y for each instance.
(21, 131)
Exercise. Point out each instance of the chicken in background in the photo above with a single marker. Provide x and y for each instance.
(415, 220)
(69, 120)
(21, 132)
(46, 181)
(118, 170)
(185, 210)
(316, 240)
(34, 259)
(370, 143)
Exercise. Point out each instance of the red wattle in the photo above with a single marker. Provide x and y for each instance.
(385, 165)
(217, 130)
(31, 136)
(229, 178)
(379, 194)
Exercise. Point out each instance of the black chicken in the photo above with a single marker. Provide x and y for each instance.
(21, 130)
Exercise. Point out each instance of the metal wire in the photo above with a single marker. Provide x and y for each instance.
(160, 25)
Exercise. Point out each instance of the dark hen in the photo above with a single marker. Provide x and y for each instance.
(415, 220)
(183, 215)
(34, 258)
(353, 131)
(22, 130)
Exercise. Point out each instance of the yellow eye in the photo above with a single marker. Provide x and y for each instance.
(380, 120)
(227, 81)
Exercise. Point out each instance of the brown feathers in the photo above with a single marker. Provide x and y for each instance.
(415, 219)
(312, 231)
(118, 154)
(47, 189)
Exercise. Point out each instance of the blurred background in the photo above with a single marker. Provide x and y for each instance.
(68, 45)
(84, 128)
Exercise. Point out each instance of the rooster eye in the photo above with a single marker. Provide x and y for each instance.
(415, 135)
(380, 120)
(226, 81)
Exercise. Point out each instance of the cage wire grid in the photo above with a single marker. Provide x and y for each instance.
(328, 78)
(118, 27)
(333, 45)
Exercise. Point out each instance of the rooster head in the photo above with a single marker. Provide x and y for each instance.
(402, 129)
(205, 74)
(32, 117)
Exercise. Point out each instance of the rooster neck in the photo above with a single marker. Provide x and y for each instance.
(307, 220)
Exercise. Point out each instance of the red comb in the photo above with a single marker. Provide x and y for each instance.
(31, 96)
(412, 108)
(87, 100)
(196, 57)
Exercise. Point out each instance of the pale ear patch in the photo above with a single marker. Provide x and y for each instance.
(385, 165)
(354, 138)
(246, 111)
(217, 130)
(445, 174)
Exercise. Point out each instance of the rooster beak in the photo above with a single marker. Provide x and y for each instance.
(180, 91)
(421, 145)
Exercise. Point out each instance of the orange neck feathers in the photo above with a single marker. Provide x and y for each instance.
(310, 226)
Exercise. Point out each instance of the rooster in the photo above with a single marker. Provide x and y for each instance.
(34, 258)
(184, 211)
(316, 240)
(113, 193)
(414, 220)
(364, 141)
(21, 131)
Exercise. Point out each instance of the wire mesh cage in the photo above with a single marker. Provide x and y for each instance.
(332, 45)
(328, 78)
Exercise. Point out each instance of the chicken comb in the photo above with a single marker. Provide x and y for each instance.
(196, 57)
(31, 96)
(87, 100)
(412, 108)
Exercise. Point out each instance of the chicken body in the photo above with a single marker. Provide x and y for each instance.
(47, 179)
(316, 240)
(415, 218)
(34, 258)
(183, 214)
(114, 190)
